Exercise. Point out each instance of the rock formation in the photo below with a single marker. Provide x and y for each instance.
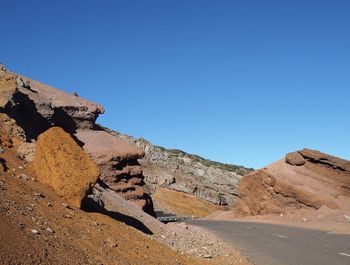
(119, 167)
(213, 182)
(305, 180)
(62, 165)
(295, 159)
(37, 227)
(37, 107)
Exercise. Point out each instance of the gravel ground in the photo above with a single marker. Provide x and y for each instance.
(187, 239)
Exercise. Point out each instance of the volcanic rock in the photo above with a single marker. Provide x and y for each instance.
(105, 198)
(295, 159)
(271, 196)
(286, 187)
(118, 164)
(61, 164)
(211, 181)
(326, 160)
(37, 107)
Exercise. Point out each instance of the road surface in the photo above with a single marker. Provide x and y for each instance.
(270, 244)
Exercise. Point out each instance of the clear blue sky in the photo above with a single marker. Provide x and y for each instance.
(240, 81)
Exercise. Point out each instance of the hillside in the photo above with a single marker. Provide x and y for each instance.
(212, 183)
(72, 193)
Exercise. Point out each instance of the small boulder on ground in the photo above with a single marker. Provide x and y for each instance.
(60, 163)
(295, 159)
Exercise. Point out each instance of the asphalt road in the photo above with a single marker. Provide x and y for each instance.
(270, 244)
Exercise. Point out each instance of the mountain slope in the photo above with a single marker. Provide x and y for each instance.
(211, 182)
(39, 222)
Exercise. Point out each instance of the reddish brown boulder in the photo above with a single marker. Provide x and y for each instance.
(295, 159)
(62, 165)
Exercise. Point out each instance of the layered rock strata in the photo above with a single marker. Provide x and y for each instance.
(213, 182)
(118, 163)
(36, 107)
(306, 179)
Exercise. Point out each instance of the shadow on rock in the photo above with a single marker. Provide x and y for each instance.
(90, 205)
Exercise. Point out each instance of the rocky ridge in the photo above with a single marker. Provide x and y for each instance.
(213, 182)
(37, 107)
(41, 228)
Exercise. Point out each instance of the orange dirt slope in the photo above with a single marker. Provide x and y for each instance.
(37, 227)
(182, 204)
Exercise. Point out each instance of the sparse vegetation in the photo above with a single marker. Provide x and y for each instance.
(179, 154)
(175, 153)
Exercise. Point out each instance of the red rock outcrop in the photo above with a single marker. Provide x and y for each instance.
(118, 164)
(306, 179)
(37, 107)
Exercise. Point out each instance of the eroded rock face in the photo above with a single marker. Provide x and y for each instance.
(37, 107)
(306, 179)
(317, 157)
(261, 194)
(62, 165)
(118, 164)
(211, 181)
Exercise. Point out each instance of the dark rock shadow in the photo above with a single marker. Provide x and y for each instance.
(149, 207)
(3, 164)
(89, 205)
(61, 118)
(80, 143)
(23, 110)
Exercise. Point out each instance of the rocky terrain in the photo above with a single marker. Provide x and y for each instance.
(306, 185)
(72, 193)
(212, 183)
(37, 107)
(119, 166)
